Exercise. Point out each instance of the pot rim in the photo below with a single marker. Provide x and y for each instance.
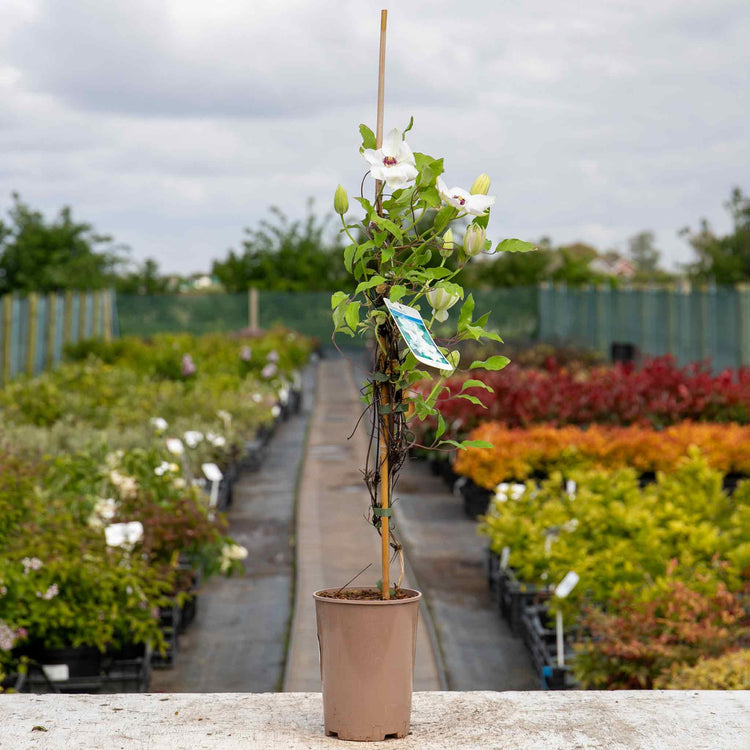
(320, 597)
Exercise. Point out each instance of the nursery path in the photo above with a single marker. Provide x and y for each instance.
(238, 640)
(478, 648)
(334, 540)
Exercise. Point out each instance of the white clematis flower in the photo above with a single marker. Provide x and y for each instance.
(123, 534)
(192, 438)
(159, 424)
(463, 200)
(441, 301)
(393, 163)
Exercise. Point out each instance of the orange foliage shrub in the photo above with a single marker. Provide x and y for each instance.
(520, 453)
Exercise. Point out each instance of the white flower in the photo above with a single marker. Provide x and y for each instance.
(127, 485)
(159, 424)
(162, 468)
(106, 507)
(175, 446)
(229, 553)
(284, 395)
(571, 525)
(474, 240)
(272, 356)
(31, 563)
(476, 205)
(123, 534)
(441, 301)
(275, 410)
(393, 163)
(269, 371)
(50, 593)
(570, 489)
(225, 417)
(506, 491)
(192, 438)
(218, 441)
(257, 398)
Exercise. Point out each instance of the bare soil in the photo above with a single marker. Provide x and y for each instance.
(369, 594)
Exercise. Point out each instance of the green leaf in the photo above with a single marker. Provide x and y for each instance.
(430, 196)
(493, 363)
(514, 246)
(349, 251)
(386, 254)
(368, 137)
(451, 442)
(352, 315)
(444, 216)
(337, 298)
(433, 274)
(397, 292)
(467, 310)
(440, 427)
(379, 377)
(472, 383)
(476, 444)
(384, 223)
(369, 284)
(473, 399)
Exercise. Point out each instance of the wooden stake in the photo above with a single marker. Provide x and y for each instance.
(385, 533)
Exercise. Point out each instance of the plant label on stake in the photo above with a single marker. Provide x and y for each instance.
(416, 335)
(563, 589)
(504, 558)
(213, 473)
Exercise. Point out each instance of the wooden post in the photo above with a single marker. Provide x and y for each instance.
(68, 317)
(385, 532)
(97, 314)
(252, 307)
(743, 324)
(83, 309)
(31, 333)
(108, 314)
(49, 359)
(7, 333)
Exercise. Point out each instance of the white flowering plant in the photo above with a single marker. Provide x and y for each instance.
(405, 249)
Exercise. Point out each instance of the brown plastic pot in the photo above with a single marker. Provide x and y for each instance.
(367, 665)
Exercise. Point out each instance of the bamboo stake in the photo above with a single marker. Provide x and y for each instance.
(384, 395)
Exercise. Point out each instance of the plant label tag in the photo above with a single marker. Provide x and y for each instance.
(567, 584)
(504, 558)
(212, 472)
(416, 335)
(56, 672)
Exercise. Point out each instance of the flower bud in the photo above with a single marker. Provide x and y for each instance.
(481, 185)
(340, 201)
(474, 240)
(440, 300)
(448, 244)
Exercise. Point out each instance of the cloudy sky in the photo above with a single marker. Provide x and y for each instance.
(174, 124)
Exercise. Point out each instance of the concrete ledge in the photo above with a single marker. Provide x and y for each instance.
(548, 720)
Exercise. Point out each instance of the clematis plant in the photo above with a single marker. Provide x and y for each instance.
(399, 249)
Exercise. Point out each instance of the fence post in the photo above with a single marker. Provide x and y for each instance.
(602, 293)
(51, 329)
(7, 333)
(96, 314)
(671, 319)
(67, 317)
(31, 333)
(704, 329)
(108, 315)
(83, 309)
(252, 302)
(743, 324)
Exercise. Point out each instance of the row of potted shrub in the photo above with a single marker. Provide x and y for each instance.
(658, 394)
(108, 515)
(663, 572)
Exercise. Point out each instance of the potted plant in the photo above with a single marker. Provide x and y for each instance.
(403, 258)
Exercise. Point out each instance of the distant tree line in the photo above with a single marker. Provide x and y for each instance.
(41, 254)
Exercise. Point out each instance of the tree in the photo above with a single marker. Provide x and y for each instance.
(284, 256)
(644, 255)
(723, 260)
(45, 256)
(144, 280)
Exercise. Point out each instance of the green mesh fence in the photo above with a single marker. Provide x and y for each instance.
(140, 315)
(691, 324)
